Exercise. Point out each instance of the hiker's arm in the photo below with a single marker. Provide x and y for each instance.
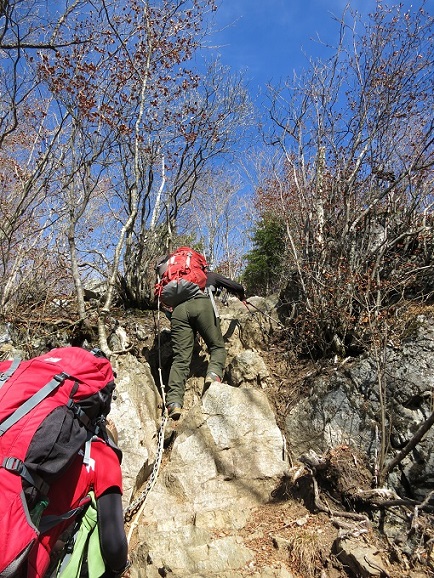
(114, 546)
(216, 280)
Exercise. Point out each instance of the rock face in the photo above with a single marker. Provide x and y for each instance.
(228, 457)
(135, 412)
(352, 406)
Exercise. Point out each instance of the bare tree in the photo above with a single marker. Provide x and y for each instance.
(160, 123)
(219, 216)
(201, 129)
(32, 139)
(355, 177)
(28, 29)
(130, 128)
(26, 214)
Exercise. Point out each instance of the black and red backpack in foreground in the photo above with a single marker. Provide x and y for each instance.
(49, 407)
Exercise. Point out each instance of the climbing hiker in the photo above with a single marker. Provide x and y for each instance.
(107, 554)
(185, 288)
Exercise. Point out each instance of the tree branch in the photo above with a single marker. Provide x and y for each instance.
(426, 425)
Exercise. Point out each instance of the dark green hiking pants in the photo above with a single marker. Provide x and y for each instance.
(188, 318)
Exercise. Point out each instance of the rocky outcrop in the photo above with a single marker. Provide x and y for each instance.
(228, 457)
(354, 404)
(232, 498)
(135, 411)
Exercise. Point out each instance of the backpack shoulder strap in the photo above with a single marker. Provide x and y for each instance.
(33, 401)
(48, 522)
(87, 538)
(7, 374)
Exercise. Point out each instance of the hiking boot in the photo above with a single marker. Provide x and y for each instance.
(174, 410)
(210, 377)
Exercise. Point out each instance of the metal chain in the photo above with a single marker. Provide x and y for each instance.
(134, 507)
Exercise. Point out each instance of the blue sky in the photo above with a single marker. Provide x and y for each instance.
(267, 38)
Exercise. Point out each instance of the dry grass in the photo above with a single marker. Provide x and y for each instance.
(304, 550)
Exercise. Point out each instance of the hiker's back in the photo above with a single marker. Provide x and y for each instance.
(181, 276)
(102, 474)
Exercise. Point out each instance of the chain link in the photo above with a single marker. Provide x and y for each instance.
(134, 507)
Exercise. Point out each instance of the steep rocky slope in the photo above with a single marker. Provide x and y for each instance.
(320, 513)
(272, 474)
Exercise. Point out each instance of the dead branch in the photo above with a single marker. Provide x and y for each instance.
(426, 425)
(336, 513)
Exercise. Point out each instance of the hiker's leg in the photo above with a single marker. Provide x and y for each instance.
(182, 337)
(208, 326)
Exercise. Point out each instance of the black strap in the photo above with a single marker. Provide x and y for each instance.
(48, 522)
(16, 466)
(79, 413)
(33, 401)
(7, 374)
(115, 448)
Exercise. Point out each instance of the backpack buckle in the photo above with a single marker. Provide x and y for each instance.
(17, 466)
(13, 464)
(97, 352)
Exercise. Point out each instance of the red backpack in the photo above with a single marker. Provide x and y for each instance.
(49, 407)
(182, 276)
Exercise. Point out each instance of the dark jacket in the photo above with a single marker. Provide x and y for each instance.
(215, 282)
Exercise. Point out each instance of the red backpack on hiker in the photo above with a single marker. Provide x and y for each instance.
(182, 276)
(49, 407)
